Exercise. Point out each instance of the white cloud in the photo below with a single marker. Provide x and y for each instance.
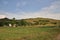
(47, 12)
(2, 16)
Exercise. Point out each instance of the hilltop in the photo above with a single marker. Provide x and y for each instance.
(30, 22)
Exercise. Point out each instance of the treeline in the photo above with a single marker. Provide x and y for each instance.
(24, 22)
(6, 22)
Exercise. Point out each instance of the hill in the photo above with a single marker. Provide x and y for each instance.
(30, 22)
(43, 21)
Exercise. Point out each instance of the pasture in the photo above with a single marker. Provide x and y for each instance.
(29, 33)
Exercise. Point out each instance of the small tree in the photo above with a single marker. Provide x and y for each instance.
(23, 23)
(1, 24)
(13, 22)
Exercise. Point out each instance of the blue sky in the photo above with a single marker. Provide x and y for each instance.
(30, 8)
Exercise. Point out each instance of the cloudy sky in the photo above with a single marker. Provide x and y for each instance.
(30, 8)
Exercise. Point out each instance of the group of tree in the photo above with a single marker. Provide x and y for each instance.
(13, 22)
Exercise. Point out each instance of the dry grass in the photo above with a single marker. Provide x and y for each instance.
(29, 33)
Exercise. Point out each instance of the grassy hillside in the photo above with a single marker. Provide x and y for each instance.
(43, 21)
(30, 29)
(39, 22)
(28, 33)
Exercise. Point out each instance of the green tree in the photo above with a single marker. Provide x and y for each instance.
(23, 22)
(1, 24)
(13, 22)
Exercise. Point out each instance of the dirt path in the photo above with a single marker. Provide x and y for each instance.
(57, 37)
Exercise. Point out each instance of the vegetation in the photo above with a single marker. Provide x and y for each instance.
(28, 33)
(29, 22)
(29, 29)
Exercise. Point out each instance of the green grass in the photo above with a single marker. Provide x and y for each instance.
(28, 33)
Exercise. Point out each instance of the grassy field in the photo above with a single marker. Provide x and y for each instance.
(29, 33)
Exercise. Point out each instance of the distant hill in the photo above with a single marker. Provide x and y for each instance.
(43, 21)
(32, 22)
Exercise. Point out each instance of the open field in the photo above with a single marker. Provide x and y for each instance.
(29, 33)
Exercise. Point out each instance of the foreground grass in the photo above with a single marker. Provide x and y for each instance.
(28, 33)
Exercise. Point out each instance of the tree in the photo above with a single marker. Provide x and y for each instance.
(1, 24)
(13, 22)
(23, 22)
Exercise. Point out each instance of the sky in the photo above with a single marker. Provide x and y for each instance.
(21, 9)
